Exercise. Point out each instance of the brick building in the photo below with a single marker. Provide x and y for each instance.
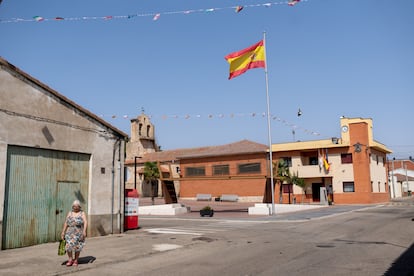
(351, 168)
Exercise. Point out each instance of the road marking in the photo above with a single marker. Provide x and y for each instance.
(173, 231)
(165, 246)
(203, 229)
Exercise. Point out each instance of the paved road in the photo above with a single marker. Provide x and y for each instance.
(339, 240)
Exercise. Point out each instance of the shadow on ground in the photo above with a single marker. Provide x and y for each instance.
(84, 260)
(404, 265)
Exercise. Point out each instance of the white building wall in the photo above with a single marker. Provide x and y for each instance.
(378, 174)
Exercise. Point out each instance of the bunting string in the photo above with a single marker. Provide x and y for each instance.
(155, 16)
(164, 117)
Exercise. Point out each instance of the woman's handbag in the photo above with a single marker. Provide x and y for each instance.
(62, 247)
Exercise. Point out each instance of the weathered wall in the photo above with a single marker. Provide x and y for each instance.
(31, 116)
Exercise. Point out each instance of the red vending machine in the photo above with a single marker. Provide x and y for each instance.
(131, 209)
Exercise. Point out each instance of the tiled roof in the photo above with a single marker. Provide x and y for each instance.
(241, 147)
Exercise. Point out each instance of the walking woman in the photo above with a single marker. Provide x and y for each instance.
(74, 232)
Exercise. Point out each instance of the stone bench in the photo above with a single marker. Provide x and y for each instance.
(229, 197)
(204, 197)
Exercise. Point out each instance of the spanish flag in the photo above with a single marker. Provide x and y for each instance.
(249, 58)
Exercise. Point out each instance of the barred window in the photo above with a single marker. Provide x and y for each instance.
(195, 171)
(221, 170)
(249, 168)
(349, 187)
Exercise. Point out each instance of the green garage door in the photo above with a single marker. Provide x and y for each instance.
(40, 188)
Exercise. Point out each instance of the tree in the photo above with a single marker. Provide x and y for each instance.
(151, 176)
(283, 173)
(281, 168)
(299, 182)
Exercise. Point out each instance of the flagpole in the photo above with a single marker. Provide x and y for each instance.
(268, 128)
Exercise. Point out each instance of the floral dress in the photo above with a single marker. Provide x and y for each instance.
(74, 233)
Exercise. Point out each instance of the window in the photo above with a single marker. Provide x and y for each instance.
(140, 130)
(348, 187)
(346, 158)
(221, 170)
(313, 160)
(287, 188)
(309, 158)
(148, 131)
(195, 171)
(249, 168)
(287, 160)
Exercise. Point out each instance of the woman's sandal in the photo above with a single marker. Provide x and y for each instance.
(75, 263)
(69, 263)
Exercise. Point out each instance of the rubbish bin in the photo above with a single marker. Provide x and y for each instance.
(131, 209)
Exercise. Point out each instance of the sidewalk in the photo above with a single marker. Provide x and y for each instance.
(43, 259)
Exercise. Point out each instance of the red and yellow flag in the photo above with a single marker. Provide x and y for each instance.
(249, 58)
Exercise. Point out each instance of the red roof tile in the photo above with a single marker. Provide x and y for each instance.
(241, 147)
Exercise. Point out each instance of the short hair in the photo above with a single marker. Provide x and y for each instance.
(77, 203)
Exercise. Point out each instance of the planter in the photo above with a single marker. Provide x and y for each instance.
(208, 213)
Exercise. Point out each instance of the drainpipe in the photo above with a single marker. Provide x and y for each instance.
(113, 186)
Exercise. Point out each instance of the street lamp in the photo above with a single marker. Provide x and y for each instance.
(135, 172)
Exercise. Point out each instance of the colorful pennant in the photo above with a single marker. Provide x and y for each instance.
(164, 117)
(155, 16)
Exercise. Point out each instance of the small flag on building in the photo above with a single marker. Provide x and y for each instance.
(326, 164)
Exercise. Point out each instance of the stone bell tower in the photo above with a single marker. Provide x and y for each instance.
(142, 137)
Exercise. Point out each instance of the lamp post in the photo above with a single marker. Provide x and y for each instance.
(406, 177)
(392, 178)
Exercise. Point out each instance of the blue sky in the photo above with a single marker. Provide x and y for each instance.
(330, 58)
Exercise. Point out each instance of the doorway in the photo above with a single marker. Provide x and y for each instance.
(316, 192)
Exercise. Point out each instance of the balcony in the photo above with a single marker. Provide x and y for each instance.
(311, 171)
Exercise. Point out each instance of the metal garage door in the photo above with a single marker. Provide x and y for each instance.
(40, 188)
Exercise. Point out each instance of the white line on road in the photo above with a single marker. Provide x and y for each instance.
(173, 231)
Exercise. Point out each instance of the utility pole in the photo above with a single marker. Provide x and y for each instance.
(392, 177)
